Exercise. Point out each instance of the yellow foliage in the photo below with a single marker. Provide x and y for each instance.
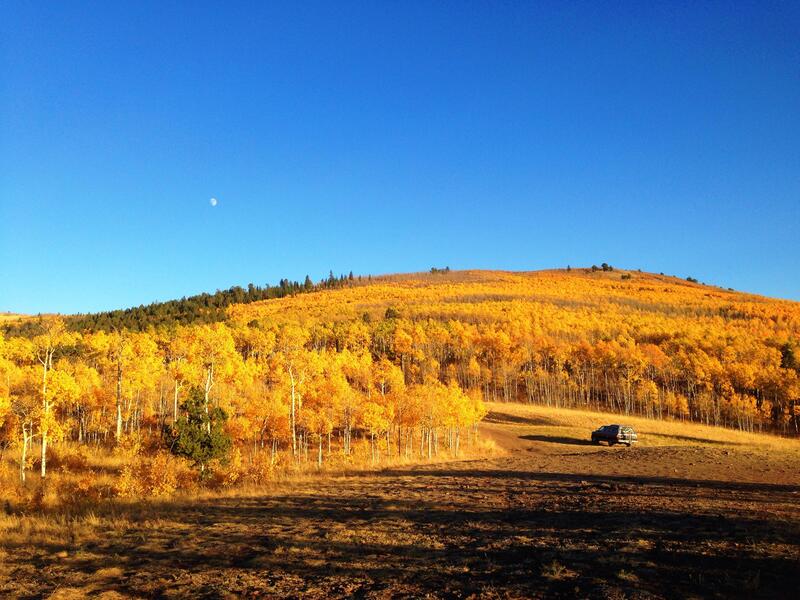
(5, 409)
(226, 473)
(156, 476)
(129, 446)
(80, 491)
(259, 469)
(307, 378)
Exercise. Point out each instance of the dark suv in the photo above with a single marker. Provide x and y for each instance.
(614, 434)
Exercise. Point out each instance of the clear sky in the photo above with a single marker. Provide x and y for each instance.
(391, 137)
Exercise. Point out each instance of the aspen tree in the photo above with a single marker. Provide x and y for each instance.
(52, 338)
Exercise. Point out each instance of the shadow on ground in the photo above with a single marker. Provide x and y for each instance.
(556, 439)
(501, 418)
(696, 440)
(440, 532)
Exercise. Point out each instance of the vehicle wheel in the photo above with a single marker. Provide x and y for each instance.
(628, 444)
(596, 442)
(610, 443)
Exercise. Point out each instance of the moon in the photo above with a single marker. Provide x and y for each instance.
(213, 202)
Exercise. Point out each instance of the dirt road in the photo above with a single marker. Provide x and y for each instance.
(555, 517)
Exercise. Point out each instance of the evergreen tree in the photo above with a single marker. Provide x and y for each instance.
(789, 357)
(392, 313)
(199, 434)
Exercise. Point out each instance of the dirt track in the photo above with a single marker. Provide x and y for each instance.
(555, 517)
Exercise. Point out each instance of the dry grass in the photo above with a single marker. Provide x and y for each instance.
(651, 432)
(9, 317)
(555, 571)
(85, 480)
(672, 448)
(534, 521)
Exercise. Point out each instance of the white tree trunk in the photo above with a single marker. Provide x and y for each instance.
(45, 411)
(118, 434)
(293, 414)
(24, 458)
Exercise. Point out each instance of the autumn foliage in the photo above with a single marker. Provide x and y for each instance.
(399, 367)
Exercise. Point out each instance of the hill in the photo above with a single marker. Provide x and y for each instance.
(485, 294)
(197, 309)
(624, 341)
(621, 340)
(10, 317)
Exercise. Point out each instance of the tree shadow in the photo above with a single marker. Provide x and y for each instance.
(441, 532)
(739, 486)
(699, 440)
(501, 418)
(556, 439)
(361, 541)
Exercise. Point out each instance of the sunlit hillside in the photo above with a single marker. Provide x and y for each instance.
(371, 371)
(493, 295)
(622, 340)
(9, 317)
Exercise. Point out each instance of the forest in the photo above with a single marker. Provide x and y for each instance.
(361, 371)
(202, 308)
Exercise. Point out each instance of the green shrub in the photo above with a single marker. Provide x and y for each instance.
(199, 434)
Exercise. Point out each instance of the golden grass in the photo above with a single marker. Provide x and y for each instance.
(62, 525)
(652, 432)
(555, 571)
(9, 317)
(82, 483)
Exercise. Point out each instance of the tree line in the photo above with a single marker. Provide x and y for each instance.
(279, 391)
(405, 365)
(201, 308)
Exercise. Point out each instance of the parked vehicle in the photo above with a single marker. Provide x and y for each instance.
(614, 434)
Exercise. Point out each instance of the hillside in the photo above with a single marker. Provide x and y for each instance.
(197, 309)
(10, 318)
(626, 341)
(485, 295)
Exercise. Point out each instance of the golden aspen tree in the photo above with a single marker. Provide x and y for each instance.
(144, 372)
(214, 352)
(118, 359)
(375, 421)
(177, 348)
(390, 384)
(293, 361)
(5, 381)
(90, 393)
(53, 337)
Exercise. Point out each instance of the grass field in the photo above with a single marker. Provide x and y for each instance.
(691, 511)
(688, 449)
(9, 317)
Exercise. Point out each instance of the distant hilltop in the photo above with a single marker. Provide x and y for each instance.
(603, 338)
(5, 317)
(214, 307)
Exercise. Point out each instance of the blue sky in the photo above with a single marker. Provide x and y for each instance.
(391, 137)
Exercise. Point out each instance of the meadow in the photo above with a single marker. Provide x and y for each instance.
(690, 511)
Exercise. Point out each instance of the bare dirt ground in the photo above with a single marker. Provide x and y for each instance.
(678, 516)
